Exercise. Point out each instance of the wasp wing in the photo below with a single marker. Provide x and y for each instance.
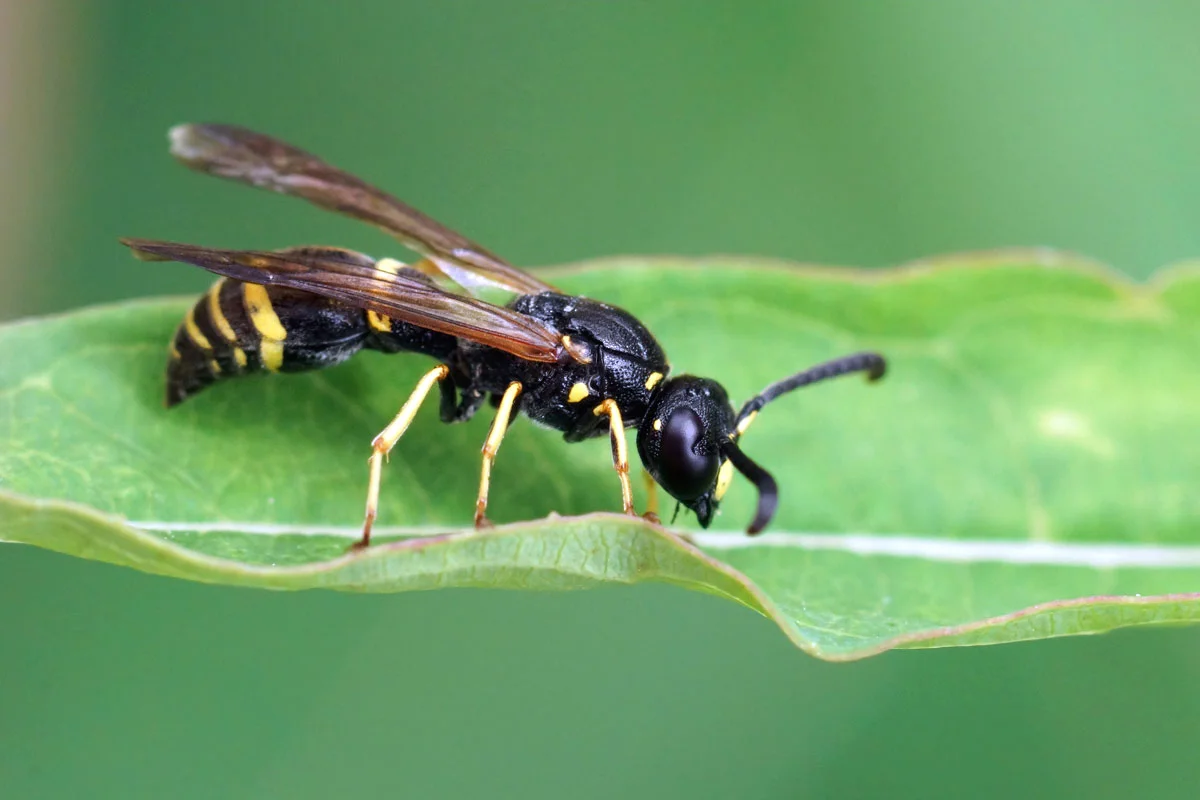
(259, 160)
(355, 279)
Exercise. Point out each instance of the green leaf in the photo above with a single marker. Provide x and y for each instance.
(1025, 470)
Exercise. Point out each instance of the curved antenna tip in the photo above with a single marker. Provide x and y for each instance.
(878, 367)
(768, 489)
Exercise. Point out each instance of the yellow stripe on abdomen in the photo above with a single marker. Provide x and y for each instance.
(271, 351)
(193, 330)
(262, 313)
(218, 317)
(266, 322)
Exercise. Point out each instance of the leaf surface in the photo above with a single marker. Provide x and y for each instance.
(1023, 471)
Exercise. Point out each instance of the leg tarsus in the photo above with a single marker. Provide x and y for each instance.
(448, 401)
(616, 428)
(491, 446)
(651, 498)
(382, 445)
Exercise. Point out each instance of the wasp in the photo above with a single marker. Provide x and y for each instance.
(569, 363)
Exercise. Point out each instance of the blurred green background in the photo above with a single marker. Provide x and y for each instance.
(861, 133)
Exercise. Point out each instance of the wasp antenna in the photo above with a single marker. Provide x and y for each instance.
(871, 363)
(768, 490)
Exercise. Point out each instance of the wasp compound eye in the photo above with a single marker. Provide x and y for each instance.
(687, 471)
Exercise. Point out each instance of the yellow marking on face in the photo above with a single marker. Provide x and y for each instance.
(239, 355)
(744, 424)
(193, 330)
(262, 313)
(218, 317)
(175, 352)
(214, 366)
(271, 351)
(379, 322)
(578, 393)
(724, 476)
(658, 424)
(389, 265)
(653, 380)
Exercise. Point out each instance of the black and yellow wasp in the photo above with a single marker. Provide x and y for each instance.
(569, 363)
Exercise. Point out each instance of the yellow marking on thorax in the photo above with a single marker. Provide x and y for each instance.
(379, 322)
(175, 352)
(724, 476)
(193, 330)
(653, 380)
(389, 265)
(214, 366)
(578, 393)
(578, 353)
(239, 355)
(218, 317)
(266, 322)
(658, 424)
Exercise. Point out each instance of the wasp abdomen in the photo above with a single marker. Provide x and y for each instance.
(240, 328)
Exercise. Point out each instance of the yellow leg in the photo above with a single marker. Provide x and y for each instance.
(616, 429)
(651, 497)
(490, 446)
(386, 440)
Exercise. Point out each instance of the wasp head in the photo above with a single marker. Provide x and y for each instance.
(688, 439)
(688, 443)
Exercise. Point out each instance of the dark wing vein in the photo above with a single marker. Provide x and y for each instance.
(259, 160)
(359, 283)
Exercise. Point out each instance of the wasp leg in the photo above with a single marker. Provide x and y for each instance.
(454, 410)
(616, 429)
(471, 402)
(651, 497)
(491, 445)
(386, 440)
